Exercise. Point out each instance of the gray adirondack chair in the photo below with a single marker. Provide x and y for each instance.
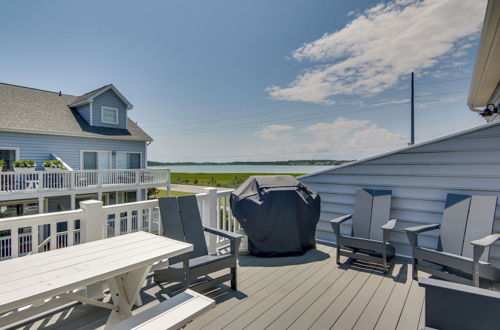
(181, 220)
(457, 306)
(465, 219)
(369, 239)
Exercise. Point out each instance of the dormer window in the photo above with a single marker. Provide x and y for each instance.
(109, 115)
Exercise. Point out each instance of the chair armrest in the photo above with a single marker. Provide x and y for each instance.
(337, 221)
(222, 233)
(390, 224)
(479, 246)
(233, 237)
(412, 232)
(423, 228)
(387, 228)
(486, 241)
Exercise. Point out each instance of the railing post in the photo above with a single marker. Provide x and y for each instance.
(92, 228)
(137, 177)
(168, 183)
(210, 217)
(72, 180)
(93, 224)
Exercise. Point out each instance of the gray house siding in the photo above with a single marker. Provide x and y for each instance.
(420, 177)
(39, 147)
(84, 111)
(109, 99)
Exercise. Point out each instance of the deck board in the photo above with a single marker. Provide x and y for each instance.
(303, 292)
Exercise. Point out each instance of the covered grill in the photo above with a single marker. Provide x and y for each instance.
(278, 213)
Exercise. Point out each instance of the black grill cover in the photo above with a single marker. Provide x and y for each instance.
(278, 213)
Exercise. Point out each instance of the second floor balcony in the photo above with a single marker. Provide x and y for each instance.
(36, 183)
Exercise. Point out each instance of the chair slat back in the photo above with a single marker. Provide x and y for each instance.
(181, 220)
(479, 223)
(381, 210)
(454, 222)
(193, 226)
(171, 221)
(371, 211)
(362, 213)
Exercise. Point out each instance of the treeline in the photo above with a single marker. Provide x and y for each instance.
(322, 162)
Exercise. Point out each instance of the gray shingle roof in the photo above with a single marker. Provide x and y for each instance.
(30, 110)
(89, 94)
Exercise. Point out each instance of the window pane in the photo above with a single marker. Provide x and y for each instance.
(121, 160)
(109, 116)
(103, 161)
(9, 156)
(90, 160)
(134, 160)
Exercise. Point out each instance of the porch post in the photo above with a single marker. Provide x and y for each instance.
(168, 183)
(210, 217)
(73, 201)
(41, 205)
(93, 228)
(93, 224)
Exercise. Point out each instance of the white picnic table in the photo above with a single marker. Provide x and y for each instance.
(123, 261)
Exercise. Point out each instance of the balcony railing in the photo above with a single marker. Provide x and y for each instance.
(42, 181)
(30, 234)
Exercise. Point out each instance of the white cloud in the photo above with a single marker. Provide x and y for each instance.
(380, 46)
(274, 132)
(374, 139)
(348, 137)
(390, 102)
(335, 130)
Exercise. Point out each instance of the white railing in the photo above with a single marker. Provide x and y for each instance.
(37, 233)
(42, 232)
(42, 181)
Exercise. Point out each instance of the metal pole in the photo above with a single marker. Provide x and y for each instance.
(412, 141)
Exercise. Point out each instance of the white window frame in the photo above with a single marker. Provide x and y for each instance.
(130, 152)
(102, 115)
(110, 161)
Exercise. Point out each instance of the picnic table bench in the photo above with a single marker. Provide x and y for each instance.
(122, 261)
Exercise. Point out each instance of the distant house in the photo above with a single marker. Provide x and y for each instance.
(91, 134)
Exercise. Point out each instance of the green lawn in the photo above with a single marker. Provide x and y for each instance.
(163, 193)
(228, 180)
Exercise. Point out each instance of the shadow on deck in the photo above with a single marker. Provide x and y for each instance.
(303, 292)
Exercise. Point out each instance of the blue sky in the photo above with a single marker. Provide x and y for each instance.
(256, 80)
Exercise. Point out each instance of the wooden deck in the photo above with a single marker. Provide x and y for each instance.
(305, 292)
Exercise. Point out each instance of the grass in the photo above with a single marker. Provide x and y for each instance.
(227, 180)
(163, 193)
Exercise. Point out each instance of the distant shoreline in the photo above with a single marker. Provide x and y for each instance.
(307, 162)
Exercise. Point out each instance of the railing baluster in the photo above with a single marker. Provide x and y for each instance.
(14, 242)
(53, 236)
(71, 228)
(34, 239)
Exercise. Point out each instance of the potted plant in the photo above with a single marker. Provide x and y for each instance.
(2, 163)
(53, 166)
(24, 165)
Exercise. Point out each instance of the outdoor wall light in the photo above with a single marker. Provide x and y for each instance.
(489, 110)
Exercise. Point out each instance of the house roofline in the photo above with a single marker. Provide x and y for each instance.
(90, 99)
(107, 137)
(393, 152)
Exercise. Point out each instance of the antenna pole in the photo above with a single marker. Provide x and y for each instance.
(412, 141)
